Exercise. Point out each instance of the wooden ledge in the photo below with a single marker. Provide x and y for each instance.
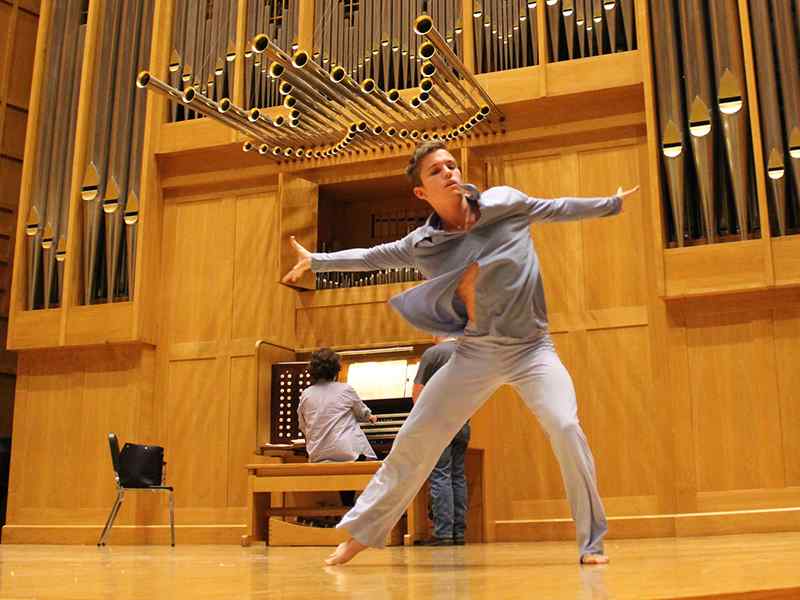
(314, 469)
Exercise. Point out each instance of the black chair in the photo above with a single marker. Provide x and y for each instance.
(137, 468)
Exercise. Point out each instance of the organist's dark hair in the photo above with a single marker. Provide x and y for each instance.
(325, 365)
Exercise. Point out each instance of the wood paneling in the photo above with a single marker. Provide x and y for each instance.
(786, 260)
(734, 398)
(298, 218)
(198, 406)
(66, 404)
(260, 305)
(787, 357)
(690, 406)
(13, 138)
(613, 247)
(200, 274)
(19, 85)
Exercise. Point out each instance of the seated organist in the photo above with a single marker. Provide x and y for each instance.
(329, 413)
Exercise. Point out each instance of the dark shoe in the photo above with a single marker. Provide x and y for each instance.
(436, 542)
(459, 540)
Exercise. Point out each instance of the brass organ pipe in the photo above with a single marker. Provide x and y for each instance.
(279, 71)
(207, 107)
(59, 170)
(433, 71)
(122, 124)
(423, 104)
(301, 60)
(321, 112)
(262, 44)
(774, 151)
(262, 123)
(380, 100)
(553, 11)
(597, 10)
(699, 102)
(613, 12)
(427, 84)
(670, 111)
(628, 20)
(176, 57)
(227, 108)
(580, 26)
(423, 25)
(340, 76)
(61, 235)
(308, 104)
(732, 102)
(787, 47)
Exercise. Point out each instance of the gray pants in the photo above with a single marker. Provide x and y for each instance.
(478, 367)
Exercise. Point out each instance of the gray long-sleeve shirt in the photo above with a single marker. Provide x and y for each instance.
(509, 295)
(328, 415)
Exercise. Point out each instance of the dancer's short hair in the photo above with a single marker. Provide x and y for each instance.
(325, 365)
(420, 152)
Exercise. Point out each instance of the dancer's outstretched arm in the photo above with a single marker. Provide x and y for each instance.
(571, 209)
(383, 256)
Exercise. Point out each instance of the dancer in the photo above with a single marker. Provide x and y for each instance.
(484, 286)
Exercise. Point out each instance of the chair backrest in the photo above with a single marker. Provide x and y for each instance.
(136, 465)
(113, 445)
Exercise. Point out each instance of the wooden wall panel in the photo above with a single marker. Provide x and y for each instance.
(260, 305)
(222, 295)
(13, 138)
(198, 409)
(787, 358)
(200, 269)
(557, 244)
(354, 326)
(5, 25)
(617, 402)
(613, 247)
(66, 404)
(298, 217)
(735, 397)
(19, 84)
(597, 294)
(243, 423)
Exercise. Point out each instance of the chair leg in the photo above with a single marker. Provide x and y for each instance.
(111, 517)
(172, 518)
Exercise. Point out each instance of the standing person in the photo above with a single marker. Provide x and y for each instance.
(328, 415)
(448, 481)
(484, 285)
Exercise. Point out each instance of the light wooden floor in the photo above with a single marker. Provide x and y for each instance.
(667, 568)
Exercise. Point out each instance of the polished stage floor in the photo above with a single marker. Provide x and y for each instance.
(745, 566)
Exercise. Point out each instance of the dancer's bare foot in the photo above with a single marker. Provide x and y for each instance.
(594, 559)
(345, 552)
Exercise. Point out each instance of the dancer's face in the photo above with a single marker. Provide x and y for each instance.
(441, 180)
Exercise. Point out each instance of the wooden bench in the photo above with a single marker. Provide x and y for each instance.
(266, 483)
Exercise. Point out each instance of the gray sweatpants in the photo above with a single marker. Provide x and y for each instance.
(478, 367)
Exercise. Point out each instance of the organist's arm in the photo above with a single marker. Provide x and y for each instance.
(360, 410)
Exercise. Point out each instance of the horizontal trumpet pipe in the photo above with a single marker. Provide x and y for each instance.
(423, 25)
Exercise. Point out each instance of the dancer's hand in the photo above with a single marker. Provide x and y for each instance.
(373, 418)
(302, 265)
(621, 194)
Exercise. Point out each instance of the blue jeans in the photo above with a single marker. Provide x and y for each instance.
(448, 485)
